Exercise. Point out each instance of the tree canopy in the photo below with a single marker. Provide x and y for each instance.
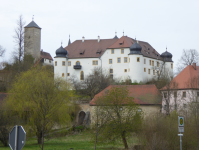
(41, 100)
(117, 116)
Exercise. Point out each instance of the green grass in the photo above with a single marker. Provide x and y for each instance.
(80, 141)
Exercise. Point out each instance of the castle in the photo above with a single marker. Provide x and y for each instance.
(123, 57)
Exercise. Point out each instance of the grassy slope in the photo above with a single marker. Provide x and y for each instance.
(77, 142)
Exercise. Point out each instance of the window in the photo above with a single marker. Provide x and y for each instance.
(69, 63)
(175, 94)
(171, 66)
(68, 74)
(111, 71)
(148, 71)
(55, 63)
(153, 72)
(157, 64)
(112, 51)
(165, 95)
(150, 62)
(185, 105)
(144, 61)
(49, 61)
(81, 75)
(62, 74)
(144, 69)
(118, 60)
(122, 51)
(110, 61)
(125, 59)
(77, 63)
(197, 94)
(138, 59)
(184, 94)
(95, 62)
(158, 73)
(125, 70)
(63, 63)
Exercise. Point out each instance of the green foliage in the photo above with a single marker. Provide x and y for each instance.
(117, 116)
(41, 100)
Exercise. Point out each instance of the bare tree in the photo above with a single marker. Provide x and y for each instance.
(2, 51)
(188, 58)
(92, 84)
(19, 41)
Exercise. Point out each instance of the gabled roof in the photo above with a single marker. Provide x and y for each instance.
(90, 48)
(147, 49)
(186, 79)
(142, 94)
(45, 55)
(32, 24)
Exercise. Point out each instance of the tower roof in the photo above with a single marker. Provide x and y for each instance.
(32, 24)
(69, 41)
(135, 48)
(61, 52)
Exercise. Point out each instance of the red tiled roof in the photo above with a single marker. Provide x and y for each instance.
(91, 47)
(142, 94)
(88, 47)
(186, 79)
(45, 55)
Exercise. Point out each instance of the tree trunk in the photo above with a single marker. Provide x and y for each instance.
(39, 137)
(124, 140)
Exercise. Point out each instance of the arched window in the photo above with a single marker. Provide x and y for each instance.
(82, 75)
(77, 63)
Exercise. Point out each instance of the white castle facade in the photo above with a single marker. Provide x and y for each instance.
(123, 57)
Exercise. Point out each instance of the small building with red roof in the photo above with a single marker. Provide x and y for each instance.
(182, 90)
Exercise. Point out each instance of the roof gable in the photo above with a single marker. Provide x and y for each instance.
(186, 79)
(142, 94)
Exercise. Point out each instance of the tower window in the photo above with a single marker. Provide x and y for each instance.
(69, 63)
(62, 74)
(68, 74)
(144, 61)
(157, 64)
(122, 51)
(125, 70)
(144, 69)
(55, 63)
(138, 59)
(110, 61)
(118, 60)
(112, 51)
(153, 72)
(63, 63)
(81, 75)
(171, 66)
(150, 62)
(111, 71)
(148, 71)
(125, 59)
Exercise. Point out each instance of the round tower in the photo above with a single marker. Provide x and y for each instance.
(136, 62)
(168, 63)
(32, 40)
(61, 63)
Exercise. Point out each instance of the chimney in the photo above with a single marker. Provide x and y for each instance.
(82, 39)
(194, 66)
(98, 39)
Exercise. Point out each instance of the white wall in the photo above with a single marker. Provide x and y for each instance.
(48, 62)
(59, 69)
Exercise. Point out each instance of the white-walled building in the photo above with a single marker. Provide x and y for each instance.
(124, 58)
(182, 91)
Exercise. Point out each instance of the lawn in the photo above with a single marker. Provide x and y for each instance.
(80, 141)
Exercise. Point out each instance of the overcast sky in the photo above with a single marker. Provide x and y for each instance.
(161, 23)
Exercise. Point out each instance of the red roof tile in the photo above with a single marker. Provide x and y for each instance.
(142, 94)
(186, 79)
(45, 55)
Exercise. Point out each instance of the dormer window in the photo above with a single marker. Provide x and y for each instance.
(82, 52)
(121, 43)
